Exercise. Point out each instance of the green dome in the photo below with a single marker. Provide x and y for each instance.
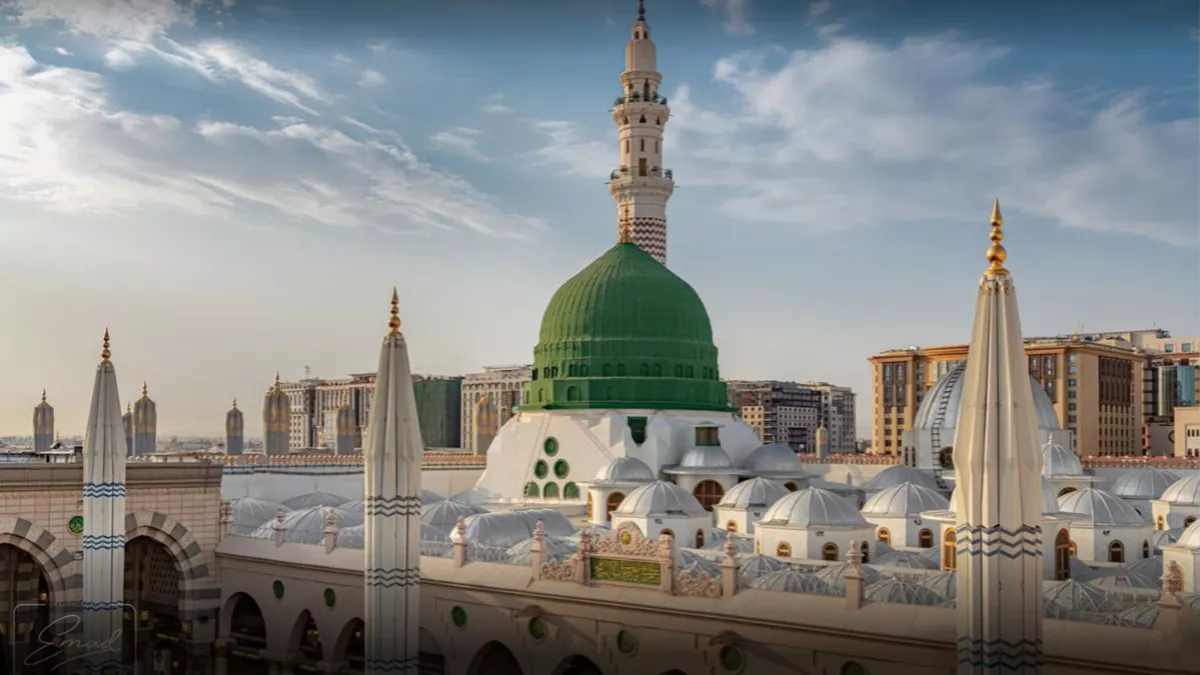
(625, 332)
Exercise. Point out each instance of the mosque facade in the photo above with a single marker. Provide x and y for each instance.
(626, 521)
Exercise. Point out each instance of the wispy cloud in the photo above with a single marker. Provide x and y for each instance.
(370, 78)
(461, 141)
(62, 51)
(856, 134)
(734, 11)
(818, 17)
(570, 149)
(66, 146)
(378, 47)
(141, 20)
(494, 105)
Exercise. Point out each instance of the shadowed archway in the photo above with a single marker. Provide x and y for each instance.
(431, 659)
(494, 659)
(25, 599)
(154, 630)
(578, 665)
(305, 643)
(248, 630)
(351, 647)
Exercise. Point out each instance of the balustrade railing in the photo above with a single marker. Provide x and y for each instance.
(637, 97)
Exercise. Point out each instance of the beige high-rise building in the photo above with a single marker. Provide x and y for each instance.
(1096, 389)
(503, 386)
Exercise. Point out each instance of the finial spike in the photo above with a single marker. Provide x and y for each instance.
(105, 352)
(43, 396)
(641, 9)
(996, 254)
(625, 228)
(394, 322)
(235, 402)
(145, 389)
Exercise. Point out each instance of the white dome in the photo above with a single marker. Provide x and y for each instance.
(899, 475)
(312, 499)
(939, 407)
(1059, 461)
(444, 515)
(355, 537)
(902, 592)
(905, 499)
(1101, 508)
(250, 512)
(706, 457)
(774, 459)
(660, 498)
(307, 526)
(835, 575)
(1184, 492)
(1147, 483)
(496, 529)
(756, 492)
(1190, 537)
(625, 470)
(789, 580)
(814, 507)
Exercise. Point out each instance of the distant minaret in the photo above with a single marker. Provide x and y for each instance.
(104, 517)
(127, 420)
(485, 424)
(641, 186)
(276, 420)
(145, 424)
(235, 426)
(346, 431)
(43, 425)
(392, 464)
(822, 442)
(998, 474)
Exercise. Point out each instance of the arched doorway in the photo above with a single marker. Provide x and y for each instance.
(866, 552)
(577, 665)
(614, 500)
(829, 552)
(306, 644)
(494, 659)
(949, 550)
(1062, 556)
(1116, 552)
(925, 538)
(430, 657)
(154, 632)
(25, 592)
(351, 647)
(708, 492)
(248, 630)
(884, 535)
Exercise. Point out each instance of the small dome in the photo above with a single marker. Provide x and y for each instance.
(1151, 567)
(814, 507)
(1100, 508)
(1066, 599)
(429, 497)
(444, 515)
(553, 548)
(307, 526)
(554, 523)
(1184, 492)
(660, 498)
(903, 500)
(706, 457)
(497, 529)
(774, 459)
(901, 592)
(1190, 537)
(250, 512)
(625, 470)
(943, 583)
(754, 493)
(1059, 461)
(757, 565)
(835, 575)
(1147, 483)
(910, 559)
(899, 475)
(355, 537)
(314, 498)
(939, 407)
(789, 580)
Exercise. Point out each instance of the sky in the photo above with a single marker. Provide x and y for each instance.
(234, 187)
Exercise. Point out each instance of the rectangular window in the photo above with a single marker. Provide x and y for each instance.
(1073, 370)
(1185, 347)
(1070, 394)
(1071, 419)
(1070, 406)
(1071, 383)
(1168, 348)
(1072, 357)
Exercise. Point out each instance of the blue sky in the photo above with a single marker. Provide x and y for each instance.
(234, 187)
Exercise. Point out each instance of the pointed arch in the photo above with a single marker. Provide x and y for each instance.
(42, 546)
(494, 659)
(577, 665)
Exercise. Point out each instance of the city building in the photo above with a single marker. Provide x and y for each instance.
(839, 415)
(277, 421)
(781, 412)
(1185, 436)
(502, 386)
(1095, 390)
(439, 407)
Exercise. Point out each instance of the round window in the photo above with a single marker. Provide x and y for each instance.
(561, 468)
(330, 598)
(541, 469)
(732, 659)
(537, 629)
(75, 525)
(550, 445)
(459, 616)
(626, 643)
(277, 588)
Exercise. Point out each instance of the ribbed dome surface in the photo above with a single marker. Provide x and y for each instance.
(307, 526)
(706, 457)
(939, 408)
(1184, 492)
(756, 492)
(1190, 537)
(899, 475)
(660, 498)
(625, 332)
(814, 507)
(250, 512)
(312, 499)
(444, 515)
(774, 458)
(625, 470)
(1059, 461)
(1148, 483)
(1100, 508)
(904, 500)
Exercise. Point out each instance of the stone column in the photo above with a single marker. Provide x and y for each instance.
(226, 520)
(729, 568)
(330, 534)
(537, 554)
(221, 650)
(279, 527)
(459, 540)
(666, 558)
(853, 577)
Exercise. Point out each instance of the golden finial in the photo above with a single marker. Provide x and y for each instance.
(394, 322)
(996, 255)
(128, 407)
(625, 229)
(145, 389)
(43, 396)
(105, 352)
(278, 386)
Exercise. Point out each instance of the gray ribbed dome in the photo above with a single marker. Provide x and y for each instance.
(774, 459)
(250, 512)
(910, 559)
(444, 515)
(1148, 483)
(899, 475)
(903, 500)
(943, 583)
(307, 526)
(814, 507)
(625, 470)
(835, 575)
(1190, 537)
(312, 499)
(939, 408)
(789, 580)
(1059, 461)
(660, 498)
(705, 457)
(496, 529)
(1184, 492)
(901, 592)
(754, 493)
(354, 537)
(1100, 508)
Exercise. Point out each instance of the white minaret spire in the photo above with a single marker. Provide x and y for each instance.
(104, 516)
(641, 186)
(392, 458)
(998, 474)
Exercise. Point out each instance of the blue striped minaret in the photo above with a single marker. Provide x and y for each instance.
(104, 517)
(392, 463)
(998, 479)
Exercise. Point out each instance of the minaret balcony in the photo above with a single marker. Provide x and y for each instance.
(653, 172)
(637, 97)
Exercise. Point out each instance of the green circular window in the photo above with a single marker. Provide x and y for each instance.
(570, 491)
(561, 468)
(732, 659)
(550, 446)
(277, 588)
(538, 629)
(852, 668)
(330, 598)
(541, 469)
(459, 616)
(550, 491)
(626, 643)
(75, 525)
(532, 490)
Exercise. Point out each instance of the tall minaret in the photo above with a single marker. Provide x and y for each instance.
(235, 426)
(127, 420)
(104, 515)
(277, 415)
(43, 425)
(392, 464)
(641, 186)
(145, 424)
(346, 432)
(998, 474)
